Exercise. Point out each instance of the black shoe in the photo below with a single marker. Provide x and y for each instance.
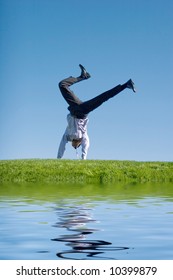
(131, 85)
(84, 73)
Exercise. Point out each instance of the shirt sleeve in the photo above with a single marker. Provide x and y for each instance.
(62, 145)
(85, 145)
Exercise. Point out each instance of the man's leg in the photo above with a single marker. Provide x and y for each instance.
(92, 104)
(67, 93)
(97, 101)
(65, 84)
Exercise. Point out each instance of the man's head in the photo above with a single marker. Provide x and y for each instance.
(76, 143)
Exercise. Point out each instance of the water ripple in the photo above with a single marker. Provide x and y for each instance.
(76, 219)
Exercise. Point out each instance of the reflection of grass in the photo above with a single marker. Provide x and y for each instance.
(83, 193)
(84, 171)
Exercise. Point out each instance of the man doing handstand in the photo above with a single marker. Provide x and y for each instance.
(76, 131)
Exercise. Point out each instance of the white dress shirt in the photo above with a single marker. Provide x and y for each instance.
(76, 129)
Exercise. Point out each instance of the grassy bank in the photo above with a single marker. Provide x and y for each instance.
(105, 171)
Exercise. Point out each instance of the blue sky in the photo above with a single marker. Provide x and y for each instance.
(43, 41)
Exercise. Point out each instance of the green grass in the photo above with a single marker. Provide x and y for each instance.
(96, 171)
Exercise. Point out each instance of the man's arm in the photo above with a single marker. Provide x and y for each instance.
(85, 145)
(62, 145)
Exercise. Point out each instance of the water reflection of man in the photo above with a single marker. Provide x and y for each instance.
(76, 131)
(75, 220)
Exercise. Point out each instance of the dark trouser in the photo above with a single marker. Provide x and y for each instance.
(78, 108)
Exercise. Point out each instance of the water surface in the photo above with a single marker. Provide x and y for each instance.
(118, 221)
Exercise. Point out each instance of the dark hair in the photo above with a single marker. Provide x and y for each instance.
(77, 141)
